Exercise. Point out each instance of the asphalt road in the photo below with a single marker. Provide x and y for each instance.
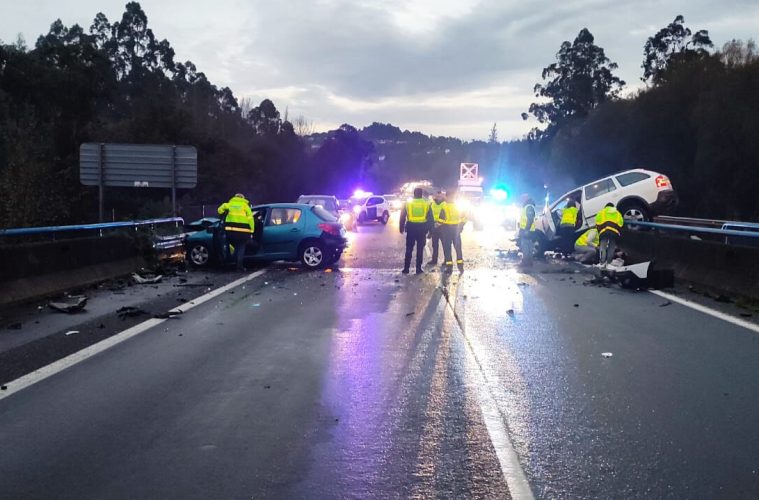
(364, 383)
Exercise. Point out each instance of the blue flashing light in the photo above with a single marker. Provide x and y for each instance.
(499, 194)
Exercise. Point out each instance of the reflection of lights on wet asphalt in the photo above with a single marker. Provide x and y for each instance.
(483, 299)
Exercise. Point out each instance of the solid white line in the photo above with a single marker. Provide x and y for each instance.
(495, 421)
(41, 374)
(706, 310)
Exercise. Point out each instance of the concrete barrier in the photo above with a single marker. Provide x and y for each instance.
(37, 269)
(732, 269)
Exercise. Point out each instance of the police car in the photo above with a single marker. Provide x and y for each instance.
(371, 207)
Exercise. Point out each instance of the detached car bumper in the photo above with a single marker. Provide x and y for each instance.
(666, 202)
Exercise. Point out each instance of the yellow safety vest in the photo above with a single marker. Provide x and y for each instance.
(523, 218)
(436, 208)
(416, 210)
(584, 240)
(569, 216)
(609, 219)
(452, 214)
(238, 215)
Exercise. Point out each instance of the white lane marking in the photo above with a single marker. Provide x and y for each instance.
(707, 310)
(512, 471)
(41, 374)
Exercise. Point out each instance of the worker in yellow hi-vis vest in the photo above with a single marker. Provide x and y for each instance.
(416, 220)
(438, 202)
(239, 226)
(453, 222)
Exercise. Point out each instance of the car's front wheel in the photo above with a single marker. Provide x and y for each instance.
(385, 217)
(312, 255)
(199, 255)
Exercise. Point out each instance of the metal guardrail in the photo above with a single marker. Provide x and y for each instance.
(739, 229)
(690, 221)
(26, 231)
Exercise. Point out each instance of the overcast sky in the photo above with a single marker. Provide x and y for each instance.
(443, 67)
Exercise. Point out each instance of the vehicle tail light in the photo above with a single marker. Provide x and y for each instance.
(330, 228)
(662, 182)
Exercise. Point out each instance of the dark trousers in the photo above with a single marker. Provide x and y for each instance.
(239, 241)
(607, 246)
(436, 242)
(452, 238)
(567, 239)
(416, 234)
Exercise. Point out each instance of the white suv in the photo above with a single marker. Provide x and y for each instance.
(370, 208)
(639, 194)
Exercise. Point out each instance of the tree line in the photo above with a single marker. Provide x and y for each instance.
(117, 82)
(696, 119)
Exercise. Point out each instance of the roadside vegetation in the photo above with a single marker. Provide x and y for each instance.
(695, 119)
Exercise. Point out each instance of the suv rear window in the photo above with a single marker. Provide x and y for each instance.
(631, 178)
(323, 214)
(598, 188)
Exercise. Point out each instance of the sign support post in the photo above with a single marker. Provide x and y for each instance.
(101, 182)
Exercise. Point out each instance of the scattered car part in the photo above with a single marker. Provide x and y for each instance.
(71, 304)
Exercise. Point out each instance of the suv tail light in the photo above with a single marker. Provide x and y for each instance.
(662, 181)
(329, 228)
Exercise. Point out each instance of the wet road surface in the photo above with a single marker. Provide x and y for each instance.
(364, 383)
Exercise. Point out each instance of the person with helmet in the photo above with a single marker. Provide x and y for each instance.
(609, 223)
(239, 226)
(586, 247)
(438, 202)
(527, 231)
(416, 220)
(453, 221)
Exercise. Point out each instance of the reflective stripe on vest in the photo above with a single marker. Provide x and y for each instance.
(452, 214)
(238, 215)
(416, 210)
(523, 218)
(609, 219)
(436, 208)
(569, 216)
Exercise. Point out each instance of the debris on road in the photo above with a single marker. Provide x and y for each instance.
(71, 304)
(665, 304)
(4, 388)
(510, 312)
(410, 314)
(130, 312)
(148, 279)
(167, 314)
(14, 326)
(71, 332)
(606, 354)
(577, 305)
(193, 284)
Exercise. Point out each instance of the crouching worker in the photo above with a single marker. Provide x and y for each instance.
(586, 247)
(609, 223)
(239, 226)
